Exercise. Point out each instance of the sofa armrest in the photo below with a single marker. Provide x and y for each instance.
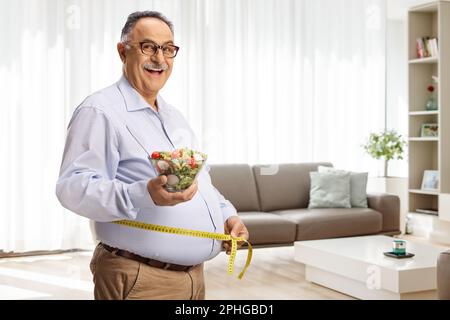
(443, 276)
(389, 206)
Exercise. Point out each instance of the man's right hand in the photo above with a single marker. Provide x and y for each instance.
(162, 197)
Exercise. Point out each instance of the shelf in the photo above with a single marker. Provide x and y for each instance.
(420, 191)
(430, 212)
(424, 113)
(424, 60)
(427, 214)
(424, 139)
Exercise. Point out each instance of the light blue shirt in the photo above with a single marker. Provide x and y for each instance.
(104, 175)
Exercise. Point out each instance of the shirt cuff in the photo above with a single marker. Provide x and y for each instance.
(139, 196)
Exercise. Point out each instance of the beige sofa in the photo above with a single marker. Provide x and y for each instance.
(274, 206)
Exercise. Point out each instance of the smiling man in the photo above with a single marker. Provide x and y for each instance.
(105, 176)
(147, 51)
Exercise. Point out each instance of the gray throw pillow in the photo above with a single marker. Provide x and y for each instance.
(329, 190)
(358, 185)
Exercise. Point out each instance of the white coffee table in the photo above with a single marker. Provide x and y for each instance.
(356, 266)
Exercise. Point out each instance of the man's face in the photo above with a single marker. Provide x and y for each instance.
(140, 69)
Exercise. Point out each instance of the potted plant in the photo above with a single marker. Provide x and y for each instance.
(387, 145)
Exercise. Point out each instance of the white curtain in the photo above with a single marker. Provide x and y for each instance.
(260, 81)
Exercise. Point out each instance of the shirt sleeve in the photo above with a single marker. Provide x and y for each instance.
(87, 183)
(228, 210)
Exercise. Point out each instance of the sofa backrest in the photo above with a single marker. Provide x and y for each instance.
(284, 186)
(237, 184)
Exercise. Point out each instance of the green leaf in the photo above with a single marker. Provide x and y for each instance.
(388, 145)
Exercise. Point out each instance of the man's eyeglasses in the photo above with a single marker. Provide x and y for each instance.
(150, 48)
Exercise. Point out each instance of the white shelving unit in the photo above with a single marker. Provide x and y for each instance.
(429, 153)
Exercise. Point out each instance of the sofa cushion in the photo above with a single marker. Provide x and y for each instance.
(332, 223)
(329, 190)
(237, 184)
(268, 228)
(284, 186)
(358, 186)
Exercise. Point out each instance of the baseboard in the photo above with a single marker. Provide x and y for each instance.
(37, 253)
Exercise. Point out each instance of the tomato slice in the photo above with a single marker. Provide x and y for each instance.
(155, 155)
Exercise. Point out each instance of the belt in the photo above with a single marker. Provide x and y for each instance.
(148, 261)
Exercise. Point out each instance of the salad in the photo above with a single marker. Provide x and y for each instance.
(181, 166)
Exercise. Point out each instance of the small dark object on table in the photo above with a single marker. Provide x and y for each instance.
(398, 256)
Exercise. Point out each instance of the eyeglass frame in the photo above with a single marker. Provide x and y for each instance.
(157, 48)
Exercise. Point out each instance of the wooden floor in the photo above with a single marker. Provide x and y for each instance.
(273, 274)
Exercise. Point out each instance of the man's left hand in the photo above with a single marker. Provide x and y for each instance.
(236, 228)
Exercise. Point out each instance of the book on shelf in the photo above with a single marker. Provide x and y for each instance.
(420, 48)
(427, 211)
(427, 47)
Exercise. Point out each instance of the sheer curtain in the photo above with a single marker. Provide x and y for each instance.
(260, 81)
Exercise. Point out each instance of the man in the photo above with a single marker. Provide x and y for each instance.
(106, 176)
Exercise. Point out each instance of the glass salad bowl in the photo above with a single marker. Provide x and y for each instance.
(181, 166)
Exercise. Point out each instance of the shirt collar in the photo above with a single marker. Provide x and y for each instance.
(134, 101)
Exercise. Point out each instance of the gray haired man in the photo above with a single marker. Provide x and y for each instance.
(105, 176)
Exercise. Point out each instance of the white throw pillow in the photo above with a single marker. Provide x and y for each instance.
(358, 185)
(329, 190)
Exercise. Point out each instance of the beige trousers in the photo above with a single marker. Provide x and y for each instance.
(118, 278)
